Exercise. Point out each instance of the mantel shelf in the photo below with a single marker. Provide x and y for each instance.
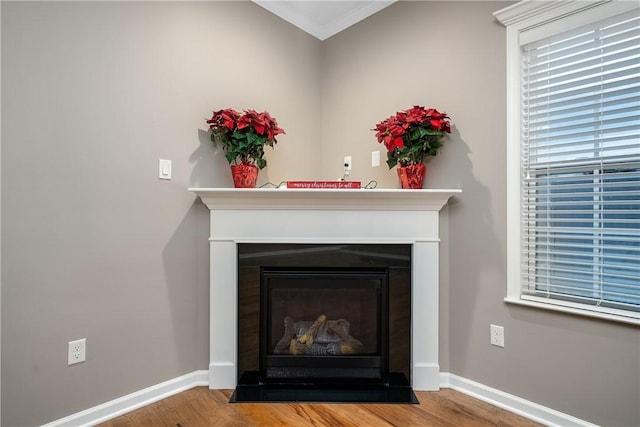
(316, 199)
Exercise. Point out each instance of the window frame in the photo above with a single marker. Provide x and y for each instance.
(526, 22)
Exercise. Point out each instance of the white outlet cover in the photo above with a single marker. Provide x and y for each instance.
(497, 335)
(77, 352)
(347, 163)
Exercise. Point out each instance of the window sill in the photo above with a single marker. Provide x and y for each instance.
(588, 311)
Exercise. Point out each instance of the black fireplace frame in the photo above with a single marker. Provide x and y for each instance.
(396, 258)
(323, 369)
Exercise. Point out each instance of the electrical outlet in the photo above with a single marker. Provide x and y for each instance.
(347, 163)
(497, 335)
(77, 351)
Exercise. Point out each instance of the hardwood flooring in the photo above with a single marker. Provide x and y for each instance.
(201, 407)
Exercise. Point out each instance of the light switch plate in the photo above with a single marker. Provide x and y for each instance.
(164, 169)
(375, 158)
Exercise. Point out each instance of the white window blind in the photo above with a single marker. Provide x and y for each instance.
(580, 183)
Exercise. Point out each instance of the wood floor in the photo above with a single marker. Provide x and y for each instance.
(201, 407)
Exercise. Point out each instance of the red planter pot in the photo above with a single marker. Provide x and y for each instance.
(244, 176)
(412, 176)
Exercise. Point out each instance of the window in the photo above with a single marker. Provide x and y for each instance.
(574, 157)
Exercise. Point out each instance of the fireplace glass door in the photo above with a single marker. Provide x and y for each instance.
(323, 325)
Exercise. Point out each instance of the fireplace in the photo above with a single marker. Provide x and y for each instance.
(324, 316)
(327, 217)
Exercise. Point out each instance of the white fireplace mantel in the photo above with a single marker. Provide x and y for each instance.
(324, 216)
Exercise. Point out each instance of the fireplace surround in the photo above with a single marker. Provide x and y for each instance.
(322, 216)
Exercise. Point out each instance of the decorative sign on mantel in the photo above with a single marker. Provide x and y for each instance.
(321, 216)
(324, 184)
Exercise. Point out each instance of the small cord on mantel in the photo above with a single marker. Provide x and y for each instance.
(371, 185)
(272, 185)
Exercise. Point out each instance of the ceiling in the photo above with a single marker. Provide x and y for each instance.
(323, 19)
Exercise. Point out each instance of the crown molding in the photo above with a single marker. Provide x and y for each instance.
(302, 17)
(530, 11)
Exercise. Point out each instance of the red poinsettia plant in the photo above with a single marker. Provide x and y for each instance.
(413, 134)
(243, 136)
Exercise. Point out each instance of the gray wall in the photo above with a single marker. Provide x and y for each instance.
(451, 56)
(0, 225)
(94, 245)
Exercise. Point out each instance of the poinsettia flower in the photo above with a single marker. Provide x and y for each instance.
(273, 130)
(247, 119)
(243, 135)
(390, 133)
(412, 134)
(226, 118)
(393, 142)
(416, 114)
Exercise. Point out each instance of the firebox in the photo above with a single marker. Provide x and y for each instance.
(324, 322)
(324, 325)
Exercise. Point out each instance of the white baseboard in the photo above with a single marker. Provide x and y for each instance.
(515, 404)
(425, 376)
(136, 400)
(133, 401)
